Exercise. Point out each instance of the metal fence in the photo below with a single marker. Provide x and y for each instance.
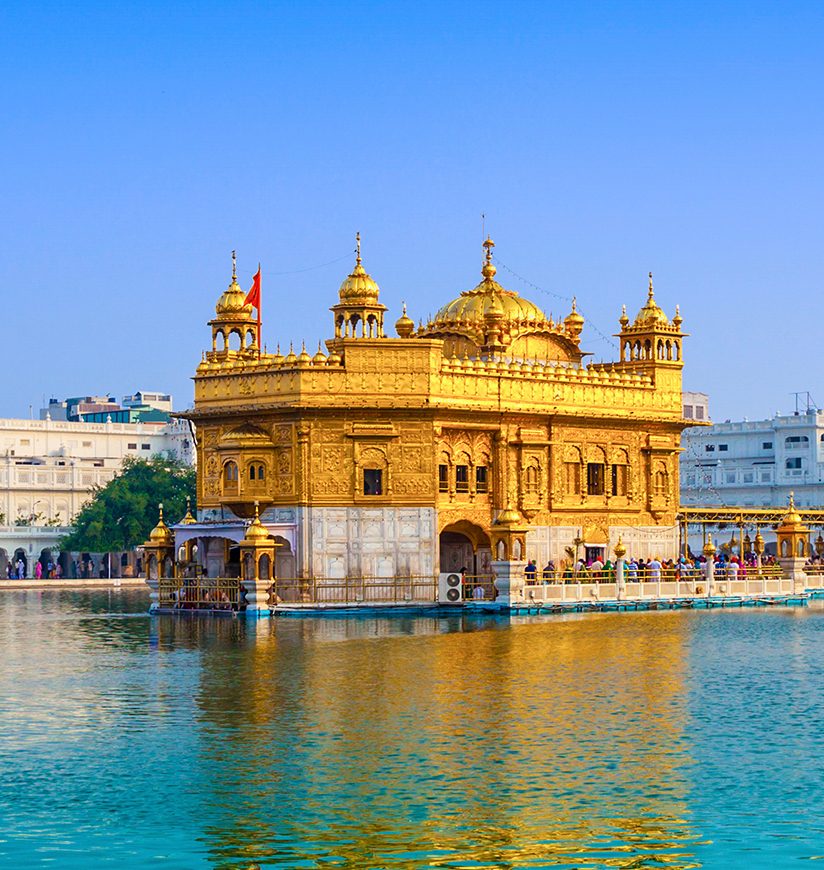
(353, 590)
(200, 593)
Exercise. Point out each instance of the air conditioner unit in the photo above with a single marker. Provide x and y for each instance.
(450, 588)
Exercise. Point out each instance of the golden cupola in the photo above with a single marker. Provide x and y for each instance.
(651, 314)
(234, 327)
(574, 321)
(358, 313)
(652, 339)
(491, 320)
(404, 325)
(161, 534)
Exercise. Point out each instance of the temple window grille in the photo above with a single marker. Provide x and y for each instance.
(619, 479)
(595, 478)
(462, 478)
(481, 479)
(372, 481)
(443, 478)
(573, 478)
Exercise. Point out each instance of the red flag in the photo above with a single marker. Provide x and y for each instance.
(253, 296)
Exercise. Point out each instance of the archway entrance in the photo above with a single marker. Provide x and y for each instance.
(20, 556)
(465, 545)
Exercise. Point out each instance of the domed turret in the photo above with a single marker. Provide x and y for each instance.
(358, 313)
(233, 317)
(652, 340)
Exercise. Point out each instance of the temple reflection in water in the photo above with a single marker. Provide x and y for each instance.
(424, 743)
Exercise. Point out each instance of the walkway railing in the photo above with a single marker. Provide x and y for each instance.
(200, 593)
(354, 590)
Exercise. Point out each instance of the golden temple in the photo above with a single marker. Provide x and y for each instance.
(395, 456)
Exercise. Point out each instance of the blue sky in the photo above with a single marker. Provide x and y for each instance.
(142, 142)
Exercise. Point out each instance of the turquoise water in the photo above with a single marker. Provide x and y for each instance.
(601, 740)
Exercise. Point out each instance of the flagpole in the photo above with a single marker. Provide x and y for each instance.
(260, 337)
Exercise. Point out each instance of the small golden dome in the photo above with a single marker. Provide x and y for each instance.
(574, 322)
(303, 357)
(231, 303)
(709, 547)
(278, 357)
(792, 517)
(508, 517)
(256, 531)
(651, 314)
(319, 359)
(188, 519)
(404, 325)
(623, 319)
(677, 320)
(335, 359)
(358, 286)
(290, 359)
(161, 533)
(620, 550)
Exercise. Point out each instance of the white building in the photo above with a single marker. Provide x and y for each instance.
(755, 463)
(48, 469)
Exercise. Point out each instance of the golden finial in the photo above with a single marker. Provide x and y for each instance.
(651, 289)
(403, 304)
(357, 248)
(257, 510)
(574, 302)
(234, 265)
(792, 500)
(160, 508)
(488, 270)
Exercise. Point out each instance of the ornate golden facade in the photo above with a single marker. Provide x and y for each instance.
(386, 456)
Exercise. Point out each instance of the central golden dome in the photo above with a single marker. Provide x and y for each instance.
(489, 296)
(489, 319)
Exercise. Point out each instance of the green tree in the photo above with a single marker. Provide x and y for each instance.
(121, 514)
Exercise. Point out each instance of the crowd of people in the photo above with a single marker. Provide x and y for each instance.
(646, 570)
(16, 569)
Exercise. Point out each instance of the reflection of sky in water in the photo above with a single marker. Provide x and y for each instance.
(617, 740)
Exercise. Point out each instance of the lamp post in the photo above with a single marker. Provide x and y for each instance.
(709, 555)
(578, 540)
(620, 551)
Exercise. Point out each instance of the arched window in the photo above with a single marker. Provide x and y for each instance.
(261, 472)
(230, 475)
